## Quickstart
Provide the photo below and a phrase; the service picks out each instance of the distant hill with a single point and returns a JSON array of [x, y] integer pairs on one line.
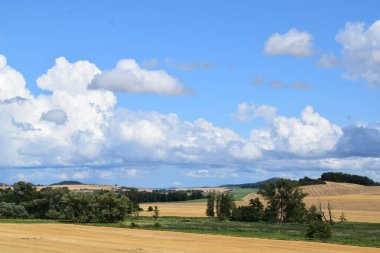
[[253, 185], [69, 182]]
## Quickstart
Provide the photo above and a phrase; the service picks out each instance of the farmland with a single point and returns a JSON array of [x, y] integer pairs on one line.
[[44, 238], [359, 203]]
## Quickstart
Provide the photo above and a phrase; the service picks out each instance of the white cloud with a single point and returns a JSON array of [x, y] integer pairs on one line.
[[76, 126], [306, 136], [12, 83], [328, 61], [248, 111], [361, 51], [71, 77], [128, 76], [309, 135], [294, 43]]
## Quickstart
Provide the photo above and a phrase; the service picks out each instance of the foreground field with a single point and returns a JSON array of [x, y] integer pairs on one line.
[[44, 238]]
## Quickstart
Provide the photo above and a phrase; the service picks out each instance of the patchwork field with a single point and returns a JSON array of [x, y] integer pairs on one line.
[[359, 203], [54, 238]]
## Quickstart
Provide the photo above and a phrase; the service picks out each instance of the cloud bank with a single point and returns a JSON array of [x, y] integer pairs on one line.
[[78, 125]]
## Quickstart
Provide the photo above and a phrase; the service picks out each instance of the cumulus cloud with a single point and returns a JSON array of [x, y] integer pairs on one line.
[[12, 83], [361, 51], [294, 43], [309, 135], [77, 126], [128, 76], [70, 77]]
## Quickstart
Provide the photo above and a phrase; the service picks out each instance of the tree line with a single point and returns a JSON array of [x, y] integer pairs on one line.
[[340, 177], [137, 196], [23, 200]]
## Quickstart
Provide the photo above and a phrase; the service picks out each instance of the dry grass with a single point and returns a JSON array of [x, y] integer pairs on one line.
[[54, 238]]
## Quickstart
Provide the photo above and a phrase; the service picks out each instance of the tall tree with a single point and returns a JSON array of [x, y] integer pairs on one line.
[[225, 204], [285, 201], [210, 211]]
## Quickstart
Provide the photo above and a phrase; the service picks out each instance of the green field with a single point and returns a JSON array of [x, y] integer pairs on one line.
[[240, 193]]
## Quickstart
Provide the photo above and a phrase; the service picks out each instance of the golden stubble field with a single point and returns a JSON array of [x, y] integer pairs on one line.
[[54, 238], [359, 203]]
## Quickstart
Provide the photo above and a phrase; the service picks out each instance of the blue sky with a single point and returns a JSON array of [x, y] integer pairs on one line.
[[168, 93]]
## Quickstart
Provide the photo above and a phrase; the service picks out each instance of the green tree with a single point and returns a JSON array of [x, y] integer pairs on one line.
[[80, 207], [253, 212], [111, 207], [12, 210], [226, 205], [210, 211], [285, 201], [23, 192]]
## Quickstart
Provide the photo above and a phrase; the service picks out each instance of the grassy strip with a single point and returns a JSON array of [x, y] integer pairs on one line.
[[349, 233]]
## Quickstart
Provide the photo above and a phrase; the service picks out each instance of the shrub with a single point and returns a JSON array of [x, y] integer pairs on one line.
[[53, 214], [319, 230], [11, 210], [111, 207], [150, 209]]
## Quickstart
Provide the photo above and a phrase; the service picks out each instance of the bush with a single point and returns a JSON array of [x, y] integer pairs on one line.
[[150, 209], [319, 230], [11, 210], [253, 212], [53, 214], [112, 208]]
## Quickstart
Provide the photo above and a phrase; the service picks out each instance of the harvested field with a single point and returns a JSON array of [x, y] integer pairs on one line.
[[359, 203], [182, 209], [51, 238]]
